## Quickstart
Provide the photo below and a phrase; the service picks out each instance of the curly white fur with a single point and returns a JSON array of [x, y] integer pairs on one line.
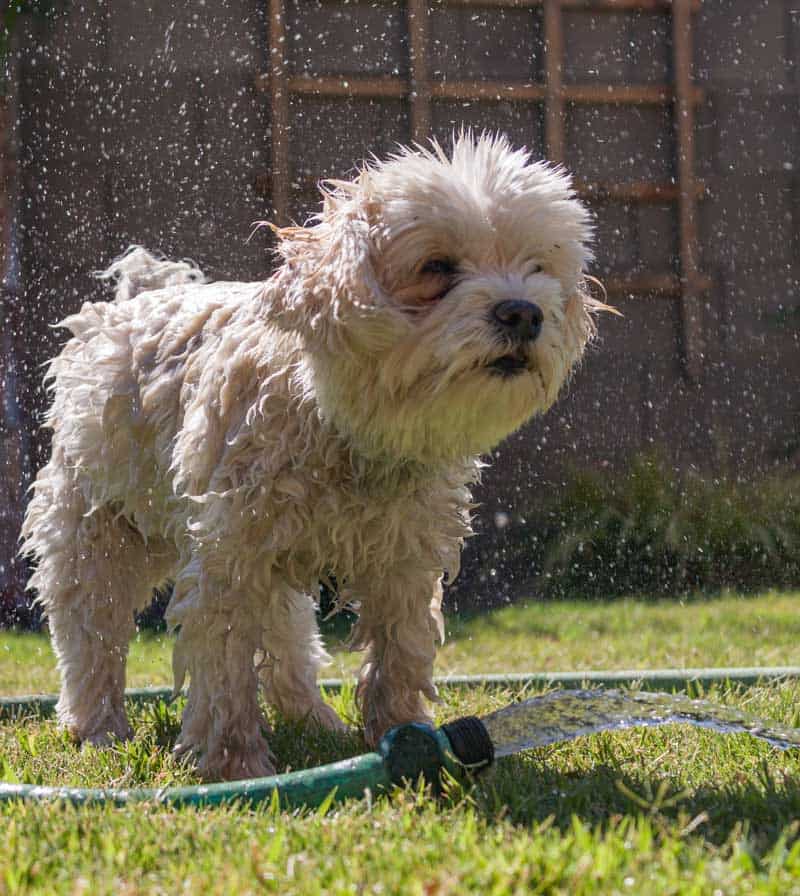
[[247, 440]]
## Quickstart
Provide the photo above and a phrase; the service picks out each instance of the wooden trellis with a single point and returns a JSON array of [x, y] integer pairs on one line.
[[421, 91]]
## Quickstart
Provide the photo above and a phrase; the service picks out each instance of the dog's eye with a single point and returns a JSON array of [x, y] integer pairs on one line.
[[428, 283], [438, 267], [535, 269]]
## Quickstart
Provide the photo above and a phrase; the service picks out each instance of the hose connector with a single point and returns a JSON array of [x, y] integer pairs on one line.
[[470, 742], [415, 749]]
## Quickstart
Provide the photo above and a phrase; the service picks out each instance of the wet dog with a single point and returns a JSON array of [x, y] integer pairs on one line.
[[244, 440]]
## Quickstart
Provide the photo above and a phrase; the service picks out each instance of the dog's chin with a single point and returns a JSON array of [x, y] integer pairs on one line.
[[476, 412], [467, 417], [445, 412]]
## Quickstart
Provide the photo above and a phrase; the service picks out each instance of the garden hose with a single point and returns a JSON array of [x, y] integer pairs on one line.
[[646, 679], [405, 754]]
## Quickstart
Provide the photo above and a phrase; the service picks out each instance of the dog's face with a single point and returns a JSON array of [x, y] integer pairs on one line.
[[439, 298]]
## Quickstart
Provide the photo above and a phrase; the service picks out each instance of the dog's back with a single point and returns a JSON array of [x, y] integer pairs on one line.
[[99, 382], [143, 392], [94, 562]]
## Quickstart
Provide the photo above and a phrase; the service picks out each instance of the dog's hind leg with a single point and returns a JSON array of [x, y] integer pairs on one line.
[[93, 571], [219, 632], [294, 654], [226, 623]]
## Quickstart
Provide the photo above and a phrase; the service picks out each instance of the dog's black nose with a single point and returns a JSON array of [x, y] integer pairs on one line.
[[518, 319]]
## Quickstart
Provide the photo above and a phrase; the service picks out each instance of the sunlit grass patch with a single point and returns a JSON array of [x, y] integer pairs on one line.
[[729, 630], [562, 635], [28, 666]]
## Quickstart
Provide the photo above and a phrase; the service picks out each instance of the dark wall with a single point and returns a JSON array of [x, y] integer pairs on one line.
[[141, 123], [137, 128]]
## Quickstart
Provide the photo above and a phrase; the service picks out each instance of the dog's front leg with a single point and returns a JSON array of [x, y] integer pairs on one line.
[[399, 623], [219, 631]]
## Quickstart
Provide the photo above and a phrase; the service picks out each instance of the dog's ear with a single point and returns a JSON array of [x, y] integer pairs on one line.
[[328, 273]]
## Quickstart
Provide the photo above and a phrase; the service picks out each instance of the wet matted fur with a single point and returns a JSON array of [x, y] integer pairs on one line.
[[245, 440]]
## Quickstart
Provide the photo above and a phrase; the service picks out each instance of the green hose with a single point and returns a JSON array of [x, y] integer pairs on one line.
[[403, 755], [309, 788], [647, 679]]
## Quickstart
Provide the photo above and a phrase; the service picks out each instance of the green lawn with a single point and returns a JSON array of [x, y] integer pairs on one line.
[[538, 636], [645, 812]]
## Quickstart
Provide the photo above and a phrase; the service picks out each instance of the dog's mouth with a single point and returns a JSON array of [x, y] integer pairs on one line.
[[509, 365]]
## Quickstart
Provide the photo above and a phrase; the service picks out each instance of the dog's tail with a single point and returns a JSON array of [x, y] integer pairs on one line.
[[137, 270]]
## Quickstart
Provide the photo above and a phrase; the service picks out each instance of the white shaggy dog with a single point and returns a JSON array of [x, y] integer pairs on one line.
[[247, 440]]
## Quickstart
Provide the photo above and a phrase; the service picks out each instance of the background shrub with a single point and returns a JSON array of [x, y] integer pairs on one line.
[[653, 531]]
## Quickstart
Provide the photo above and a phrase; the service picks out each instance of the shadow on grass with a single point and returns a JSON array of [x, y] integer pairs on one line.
[[295, 744], [526, 793], [761, 800]]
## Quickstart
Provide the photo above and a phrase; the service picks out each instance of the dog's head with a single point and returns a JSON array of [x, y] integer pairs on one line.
[[440, 299]]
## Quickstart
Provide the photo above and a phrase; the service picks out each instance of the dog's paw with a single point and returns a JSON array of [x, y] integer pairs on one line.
[[236, 767], [227, 764], [107, 738], [383, 708], [100, 734], [325, 717]]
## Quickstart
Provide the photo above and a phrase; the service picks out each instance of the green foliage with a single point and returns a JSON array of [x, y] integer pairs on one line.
[[651, 531]]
